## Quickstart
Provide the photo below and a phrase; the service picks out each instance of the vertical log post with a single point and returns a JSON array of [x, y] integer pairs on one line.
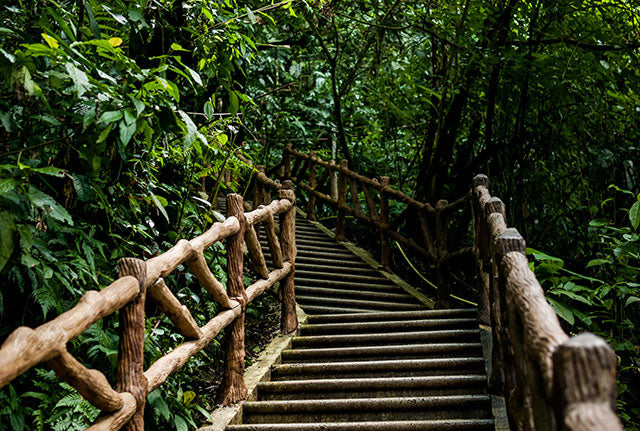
[[288, 240], [129, 371], [385, 248], [443, 297], [233, 387], [342, 202], [258, 191], [311, 204], [504, 366], [286, 162], [333, 180], [585, 378], [480, 244]]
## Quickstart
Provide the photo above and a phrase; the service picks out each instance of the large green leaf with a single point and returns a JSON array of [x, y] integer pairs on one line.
[[634, 214], [79, 78], [7, 230], [49, 205]]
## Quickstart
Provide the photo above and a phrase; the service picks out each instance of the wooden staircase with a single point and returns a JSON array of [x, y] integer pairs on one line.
[[371, 356]]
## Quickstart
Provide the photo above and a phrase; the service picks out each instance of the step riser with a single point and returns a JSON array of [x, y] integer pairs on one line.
[[373, 305], [413, 315], [386, 338], [418, 351], [448, 425], [347, 293], [321, 395], [453, 413], [278, 377], [393, 326], [346, 284]]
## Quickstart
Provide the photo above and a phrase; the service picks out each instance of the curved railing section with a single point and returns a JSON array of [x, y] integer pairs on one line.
[[124, 405]]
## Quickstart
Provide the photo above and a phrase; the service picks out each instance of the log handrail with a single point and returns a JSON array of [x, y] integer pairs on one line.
[[430, 246], [123, 405], [550, 381]]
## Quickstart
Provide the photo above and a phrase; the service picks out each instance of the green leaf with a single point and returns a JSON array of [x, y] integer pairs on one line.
[[169, 87], [104, 134], [129, 118], [188, 396], [251, 16], [139, 105], [126, 131], [195, 76], [181, 424], [177, 47], [50, 170], [562, 311], [192, 131], [160, 207], [598, 262], [156, 400], [51, 41], [7, 229], [629, 301], [49, 205], [83, 187], [110, 116], [209, 111], [79, 78], [7, 184], [634, 215], [234, 103]]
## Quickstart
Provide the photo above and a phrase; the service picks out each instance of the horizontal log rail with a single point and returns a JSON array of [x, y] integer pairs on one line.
[[349, 193], [549, 381], [123, 405]]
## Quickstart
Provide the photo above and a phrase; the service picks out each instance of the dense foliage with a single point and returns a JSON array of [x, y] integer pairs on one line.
[[117, 116]]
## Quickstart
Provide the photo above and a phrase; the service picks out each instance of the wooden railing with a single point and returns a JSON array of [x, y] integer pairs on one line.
[[124, 405], [340, 188], [549, 381]]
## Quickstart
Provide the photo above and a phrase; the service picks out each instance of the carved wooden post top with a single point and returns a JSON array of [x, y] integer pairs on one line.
[[480, 180], [441, 205], [385, 182], [313, 155], [495, 205], [344, 164], [508, 241], [288, 147]]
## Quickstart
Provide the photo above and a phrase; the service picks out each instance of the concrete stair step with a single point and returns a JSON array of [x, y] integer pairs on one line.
[[385, 338], [427, 425], [468, 313], [329, 247], [368, 409], [389, 368], [409, 351], [311, 309], [349, 293], [325, 275], [307, 266], [336, 264], [373, 387], [380, 283], [360, 303], [339, 256], [386, 325]]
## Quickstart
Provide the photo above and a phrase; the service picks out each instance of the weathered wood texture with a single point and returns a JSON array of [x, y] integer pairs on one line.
[[550, 382], [233, 388], [130, 369], [289, 321], [124, 406]]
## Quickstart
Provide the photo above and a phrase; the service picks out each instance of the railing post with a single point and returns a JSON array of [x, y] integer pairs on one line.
[[585, 378], [385, 248], [443, 299], [289, 321], [333, 181], [311, 204], [129, 371], [342, 202], [233, 387], [258, 188], [286, 162], [480, 244]]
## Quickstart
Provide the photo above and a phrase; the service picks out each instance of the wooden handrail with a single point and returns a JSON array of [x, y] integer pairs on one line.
[[550, 382], [432, 219], [26, 347]]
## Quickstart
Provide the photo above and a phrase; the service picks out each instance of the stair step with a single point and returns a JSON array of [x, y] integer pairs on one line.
[[386, 325], [332, 247], [336, 265], [373, 387], [422, 351], [324, 275], [381, 283], [396, 315], [428, 425], [305, 266], [385, 338], [374, 305], [340, 257], [359, 409], [345, 293], [312, 309], [434, 366]]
